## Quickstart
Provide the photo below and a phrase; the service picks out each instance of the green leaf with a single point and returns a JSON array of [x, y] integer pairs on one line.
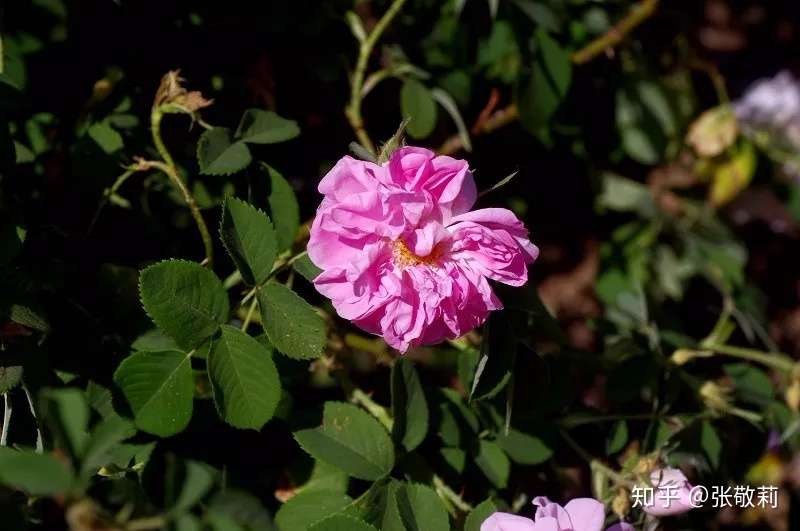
[[265, 127], [499, 54], [458, 84], [106, 138], [159, 386], [710, 444], [37, 474], [218, 154], [494, 463], [458, 423], [341, 522], [198, 480], [416, 507], [68, 413], [542, 14], [352, 440], [409, 407], [245, 508], [455, 458], [245, 381], [326, 477], [249, 238], [626, 195], [752, 384], [446, 100], [418, 107], [188, 522], [10, 377], [222, 522], [104, 442], [100, 399], [154, 340], [479, 514], [371, 506], [305, 509], [184, 299], [291, 324], [547, 85], [645, 120], [306, 268], [356, 26], [527, 447], [283, 207], [617, 438], [30, 316]]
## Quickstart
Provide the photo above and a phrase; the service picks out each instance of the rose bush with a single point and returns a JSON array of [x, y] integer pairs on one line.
[[292, 287]]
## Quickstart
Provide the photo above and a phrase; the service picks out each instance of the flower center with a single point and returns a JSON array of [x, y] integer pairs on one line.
[[404, 257]]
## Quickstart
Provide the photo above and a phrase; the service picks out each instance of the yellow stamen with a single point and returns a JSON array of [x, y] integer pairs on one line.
[[403, 256]]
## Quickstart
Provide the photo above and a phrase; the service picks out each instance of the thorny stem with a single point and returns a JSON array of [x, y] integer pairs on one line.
[[288, 263], [249, 316], [353, 109], [6, 419], [497, 120], [638, 14], [252, 293], [357, 396], [169, 168], [449, 495], [775, 360]]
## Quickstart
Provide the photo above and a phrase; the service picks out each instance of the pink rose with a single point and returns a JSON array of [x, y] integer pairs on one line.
[[580, 514], [672, 493], [403, 257], [507, 522]]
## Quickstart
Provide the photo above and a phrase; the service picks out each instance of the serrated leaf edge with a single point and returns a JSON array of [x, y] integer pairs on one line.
[[141, 299], [222, 174], [222, 217]]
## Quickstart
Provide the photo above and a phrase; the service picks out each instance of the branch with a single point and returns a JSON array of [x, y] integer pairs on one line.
[[169, 168], [353, 109], [499, 119], [638, 14]]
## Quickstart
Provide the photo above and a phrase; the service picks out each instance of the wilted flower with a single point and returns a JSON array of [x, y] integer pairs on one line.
[[580, 514], [771, 107], [713, 132], [621, 504], [715, 396], [171, 92], [402, 255], [673, 493]]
